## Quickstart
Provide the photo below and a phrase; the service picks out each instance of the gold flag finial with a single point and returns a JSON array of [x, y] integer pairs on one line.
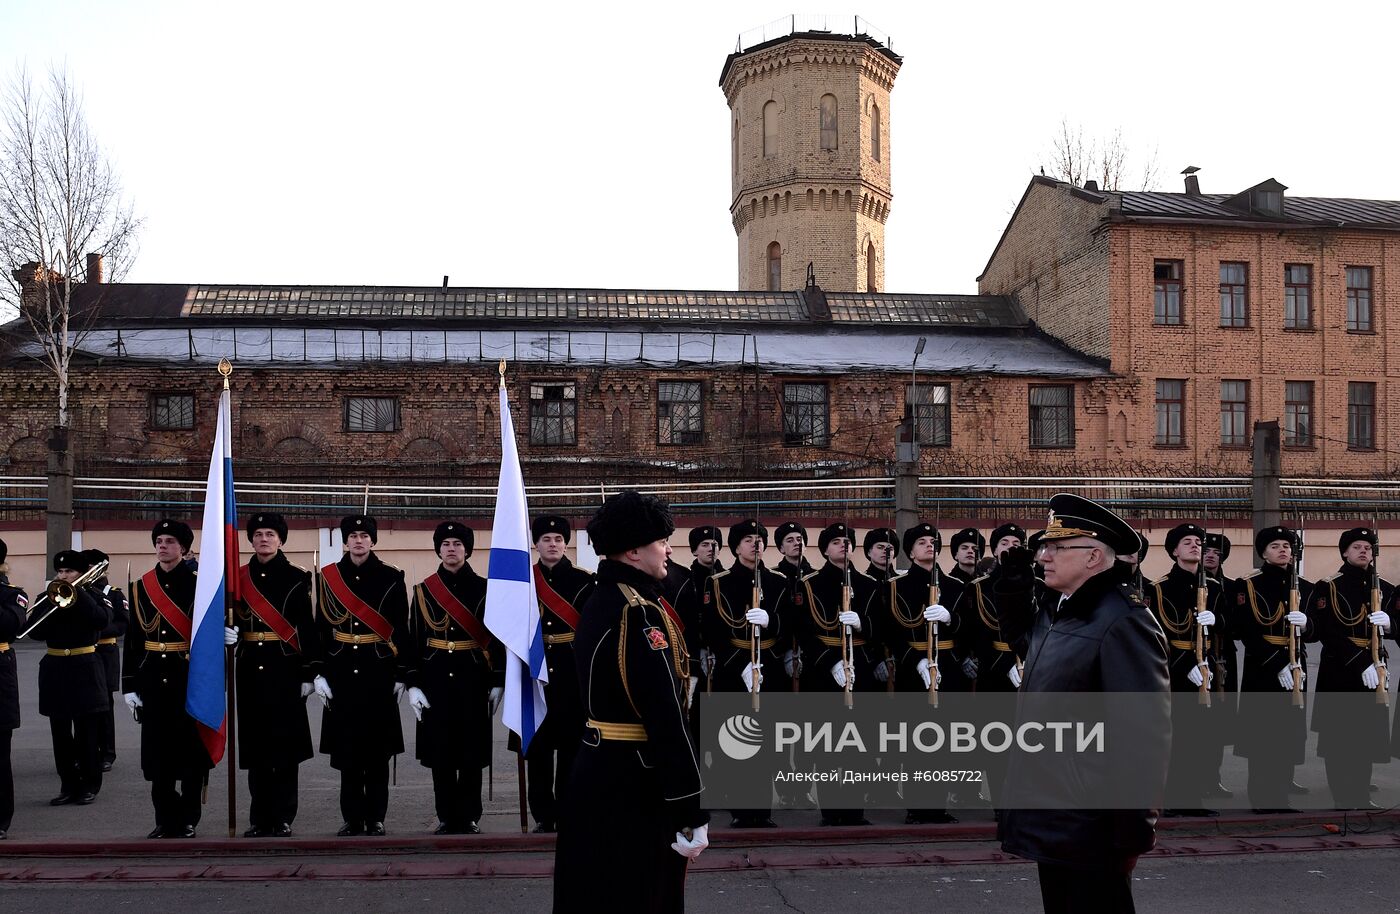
[[225, 369]]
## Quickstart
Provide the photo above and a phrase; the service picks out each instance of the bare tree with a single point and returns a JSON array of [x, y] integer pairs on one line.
[[1107, 160], [60, 203]]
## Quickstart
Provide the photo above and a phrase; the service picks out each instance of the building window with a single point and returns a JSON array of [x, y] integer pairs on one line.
[[553, 414], [872, 276], [1297, 413], [679, 418], [172, 412], [1359, 299], [828, 122], [1171, 404], [1297, 296], [372, 414], [804, 415], [1234, 413], [736, 152], [933, 419], [1361, 416], [1234, 295], [770, 129], [1052, 415], [775, 267], [875, 132], [1166, 300]]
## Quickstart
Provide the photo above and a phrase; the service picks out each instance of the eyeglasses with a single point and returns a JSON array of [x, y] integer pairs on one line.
[[1049, 549]]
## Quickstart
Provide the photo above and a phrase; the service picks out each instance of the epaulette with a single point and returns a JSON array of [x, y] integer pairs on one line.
[[719, 574], [1330, 577], [1162, 579], [1245, 577], [808, 577], [977, 580]]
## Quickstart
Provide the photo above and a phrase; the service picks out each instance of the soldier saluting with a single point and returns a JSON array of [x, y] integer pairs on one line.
[[276, 637], [360, 674]]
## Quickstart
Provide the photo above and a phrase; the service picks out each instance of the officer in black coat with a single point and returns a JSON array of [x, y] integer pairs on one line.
[[633, 819], [1093, 638], [1353, 729], [14, 610], [458, 680], [1174, 599], [155, 674], [109, 652], [1225, 650], [73, 684], [360, 673], [1272, 729], [277, 638]]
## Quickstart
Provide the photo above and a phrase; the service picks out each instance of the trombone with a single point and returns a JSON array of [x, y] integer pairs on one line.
[[61, 594]]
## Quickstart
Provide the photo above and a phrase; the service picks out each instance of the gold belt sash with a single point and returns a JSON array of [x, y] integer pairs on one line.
[[835, 640], [4, 646], [941, 645], [1360, 642], [91, 649], [356, 639], [1002, 646], [1279, 640], [626, 733], [1183, 645], [260, 636], [167, 646], [766, 644], [106, 640], [442, 645], [559, 639]]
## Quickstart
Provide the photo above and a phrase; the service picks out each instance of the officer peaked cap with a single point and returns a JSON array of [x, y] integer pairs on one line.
[[1074, 516]]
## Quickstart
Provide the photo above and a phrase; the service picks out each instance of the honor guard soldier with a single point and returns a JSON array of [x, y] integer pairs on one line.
[[1227, 668], [791, 539], [734, 625], [1272, 729], [967, 546], [455, 690], [1353, 732], [155, 673], [561, 590], [360, 673], [109, 652], [880, 546], [276, 634], [1175, 598], [633, 819], [695, 599], [73, 683], [14, 610]]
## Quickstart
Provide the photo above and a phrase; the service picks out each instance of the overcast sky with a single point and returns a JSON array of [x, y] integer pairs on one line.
[[530, 144]]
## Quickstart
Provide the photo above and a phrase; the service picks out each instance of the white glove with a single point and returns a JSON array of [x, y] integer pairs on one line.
[[692, 847], [230, 635], [882, 671], [1285, 675], [398, 691], [707, 661], [924, 667], [1195, 677], [493, 700], [1205, 617], [747, 676], [790, 663], [323, 690], [937, 613], [133, 701], [1370, 677], [1379, 619], [1298, 619], [418, 702], [850, 617], [757, 617], [838, 672], [690, 685], [306, 690], [1014, 674]]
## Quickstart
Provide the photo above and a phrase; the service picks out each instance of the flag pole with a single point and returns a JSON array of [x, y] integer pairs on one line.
[[520, 756], [231, 746]]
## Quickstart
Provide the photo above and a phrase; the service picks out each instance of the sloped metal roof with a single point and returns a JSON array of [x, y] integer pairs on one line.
[[1308, 211]]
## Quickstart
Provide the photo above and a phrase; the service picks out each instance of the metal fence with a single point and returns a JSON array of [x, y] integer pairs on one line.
[[799, 23]]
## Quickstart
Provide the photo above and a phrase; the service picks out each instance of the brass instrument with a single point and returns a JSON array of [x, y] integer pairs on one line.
[[62, 594]]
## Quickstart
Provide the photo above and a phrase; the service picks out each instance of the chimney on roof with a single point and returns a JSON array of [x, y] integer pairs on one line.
[[1193, 184], [94, 268], [1092, 185]]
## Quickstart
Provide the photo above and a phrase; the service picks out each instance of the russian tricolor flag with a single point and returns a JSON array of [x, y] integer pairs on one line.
[[512, 613], [206, 700]]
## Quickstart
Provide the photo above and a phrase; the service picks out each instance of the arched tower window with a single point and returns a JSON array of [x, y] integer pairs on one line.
[[775, 267], [872, 282], [875, 132], [828, 122], [770, 129], [736, 151]]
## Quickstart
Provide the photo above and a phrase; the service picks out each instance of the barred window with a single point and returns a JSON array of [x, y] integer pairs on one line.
[[1234, 413], [932, 408], [1171, 404], [553, 414], [172, 412], [372, 414], [1297, 413], [1361, 416], [1359, 299], [679, 415], [1297, 296], [1166, 298], [1234, 295], [1051, 415], [805, 422]]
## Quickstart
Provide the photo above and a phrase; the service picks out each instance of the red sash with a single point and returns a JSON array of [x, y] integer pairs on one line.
[[555, 603], [182, 623], [675, 617], [266, 611], [357, 607], [457, 609]]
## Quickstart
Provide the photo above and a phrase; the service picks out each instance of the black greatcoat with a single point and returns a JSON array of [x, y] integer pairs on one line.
[[1269, 726], [731, 594], [272, 726], [1358, 729], [563, 725], [170, 743], [694, 600], [74, 685], [361, 724], [905, 630], [819, 633], [995, 638], [456, 727], [111, 653], [627, 800], [14, 609]]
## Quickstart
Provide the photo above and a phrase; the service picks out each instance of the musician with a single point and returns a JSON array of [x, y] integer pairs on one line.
[[1352, 731], [459, 681], [109, 652], [14, 611], [1272, 729], [155, 673], [359, 673], [1174, 599], [561, 589], [1213, 556], [968, 546], [633, 819], [276, 637]]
